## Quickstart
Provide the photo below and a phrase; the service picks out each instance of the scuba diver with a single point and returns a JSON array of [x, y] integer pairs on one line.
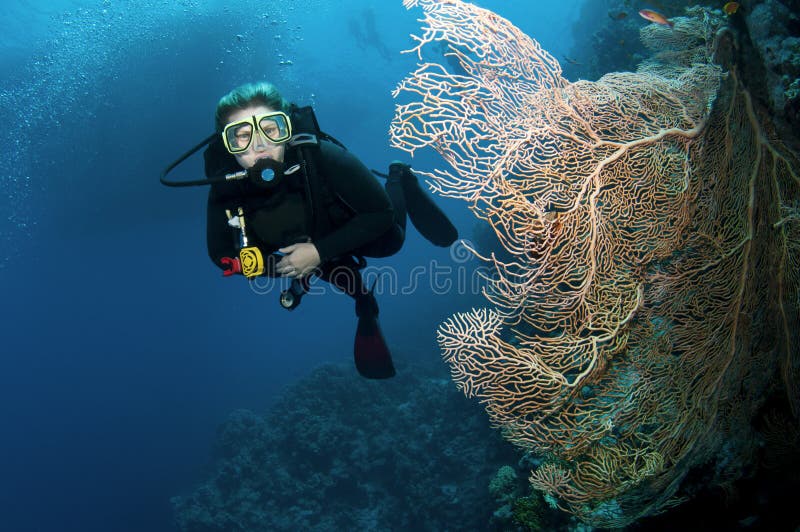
[[288, 200]]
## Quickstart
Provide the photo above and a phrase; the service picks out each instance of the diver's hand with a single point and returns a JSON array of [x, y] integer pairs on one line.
[[299, 260]]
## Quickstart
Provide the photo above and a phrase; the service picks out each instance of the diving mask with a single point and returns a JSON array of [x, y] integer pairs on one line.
[[275, 126]]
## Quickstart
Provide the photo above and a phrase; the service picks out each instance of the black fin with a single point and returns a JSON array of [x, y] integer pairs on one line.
[[372, 356], [427, 217]]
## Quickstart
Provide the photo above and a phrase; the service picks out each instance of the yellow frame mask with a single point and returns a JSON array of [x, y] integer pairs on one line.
[[275, 126]]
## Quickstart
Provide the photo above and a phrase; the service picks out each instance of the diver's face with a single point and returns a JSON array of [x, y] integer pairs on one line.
[[260, 147]]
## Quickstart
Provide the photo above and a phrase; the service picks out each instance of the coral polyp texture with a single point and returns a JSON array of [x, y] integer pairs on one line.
[[653, 218]]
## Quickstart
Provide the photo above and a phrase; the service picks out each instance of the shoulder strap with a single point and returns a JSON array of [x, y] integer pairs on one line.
[[306, 137], [305, 140]]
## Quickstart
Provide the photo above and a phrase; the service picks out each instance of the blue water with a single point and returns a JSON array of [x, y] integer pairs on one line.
[[123, 347]]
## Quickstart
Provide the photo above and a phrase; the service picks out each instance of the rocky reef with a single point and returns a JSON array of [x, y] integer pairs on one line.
[[338, 452], [607, 39]]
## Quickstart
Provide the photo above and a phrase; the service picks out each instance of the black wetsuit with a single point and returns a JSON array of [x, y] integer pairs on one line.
[[343, 210], [361, 219]]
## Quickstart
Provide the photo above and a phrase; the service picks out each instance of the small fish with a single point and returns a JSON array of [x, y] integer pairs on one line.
[[730, 8], [571, 61], [617, 15], [655, 16]]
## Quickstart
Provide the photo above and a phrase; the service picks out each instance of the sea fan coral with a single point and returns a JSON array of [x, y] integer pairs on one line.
[[654, 225]]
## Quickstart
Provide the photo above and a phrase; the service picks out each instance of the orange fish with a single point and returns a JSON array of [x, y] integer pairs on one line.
[[730, 8], [655, 16]]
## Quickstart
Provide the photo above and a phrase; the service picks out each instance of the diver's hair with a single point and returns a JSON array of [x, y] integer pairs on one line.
[[259, 93]]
